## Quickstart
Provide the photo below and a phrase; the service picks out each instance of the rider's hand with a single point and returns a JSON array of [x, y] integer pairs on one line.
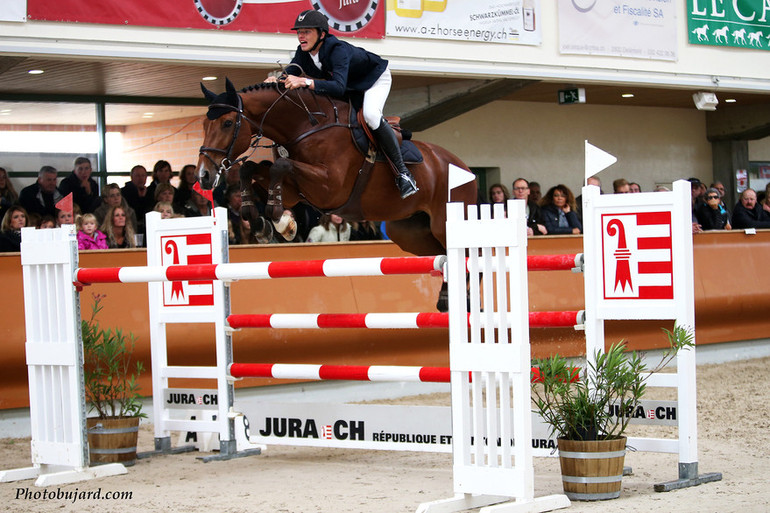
[[294, 82], [271, 79]]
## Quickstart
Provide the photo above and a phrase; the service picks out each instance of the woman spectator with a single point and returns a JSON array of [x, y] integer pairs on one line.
[[498, 193], [365, 230], [164, 192], [766, 200], [197, 206], [8, 194], [161, 173], [187, 180], [67, 216], [118, 230], [711, 214], [558, 211], [14, 220], [331, 228], [111, 197]]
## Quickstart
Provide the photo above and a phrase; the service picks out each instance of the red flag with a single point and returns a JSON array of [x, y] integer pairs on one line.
[[209, 195], [65, 203]]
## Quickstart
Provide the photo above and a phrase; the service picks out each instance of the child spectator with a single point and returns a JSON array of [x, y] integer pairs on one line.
[[165, 208], [88, 236], [46, 222]]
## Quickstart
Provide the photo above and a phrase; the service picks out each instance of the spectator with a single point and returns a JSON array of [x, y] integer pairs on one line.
[[621, 186], [196, 206], [14, 220], [591, 180], [238, 228], [88, 236], [662, 188], [712, 215], [748, 213], [331, 228], [365, 230], [65, 216], [187, 180], [84, 189], [46, 222], [307, 217], [137, 195], [119, 232], [8, 194], [696, 201], [166, 210], [721, 188], [161, 173], [521, 191], [558, 211], [498, 193], [111, 197], [42, 196], [766, 200], [534, 192], [634, 187], [164, 192]]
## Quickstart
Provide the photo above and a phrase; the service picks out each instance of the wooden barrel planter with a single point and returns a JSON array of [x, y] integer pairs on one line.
[[113, 440], [592, 470]]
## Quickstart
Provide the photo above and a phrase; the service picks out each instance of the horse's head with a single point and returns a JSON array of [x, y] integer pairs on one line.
[[227, 133]]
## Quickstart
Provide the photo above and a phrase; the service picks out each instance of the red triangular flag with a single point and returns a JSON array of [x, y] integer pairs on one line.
[[65, 203], [209, 195]]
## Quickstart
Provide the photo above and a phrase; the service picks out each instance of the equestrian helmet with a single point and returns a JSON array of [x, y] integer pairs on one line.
[[311, 19]]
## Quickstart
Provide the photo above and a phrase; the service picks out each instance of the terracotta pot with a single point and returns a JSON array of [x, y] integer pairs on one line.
[[113, 440], [592, 470]]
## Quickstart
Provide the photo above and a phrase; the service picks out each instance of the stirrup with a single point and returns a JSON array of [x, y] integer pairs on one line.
[[406, 185]]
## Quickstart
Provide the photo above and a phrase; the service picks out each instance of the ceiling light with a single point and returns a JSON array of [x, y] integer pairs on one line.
[[36, 72], [730, 100], [209, 78], [627, 95], [148, 114]]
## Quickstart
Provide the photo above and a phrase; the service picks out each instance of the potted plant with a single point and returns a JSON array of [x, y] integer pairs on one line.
[[579, 408], [111, 389]]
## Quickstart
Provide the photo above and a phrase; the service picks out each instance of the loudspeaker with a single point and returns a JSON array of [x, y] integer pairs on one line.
[[705, 101]]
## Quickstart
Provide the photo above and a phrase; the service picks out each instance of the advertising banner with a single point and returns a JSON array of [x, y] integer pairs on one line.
[[740, 23], [365, 18], [513, 21], [642, 29]]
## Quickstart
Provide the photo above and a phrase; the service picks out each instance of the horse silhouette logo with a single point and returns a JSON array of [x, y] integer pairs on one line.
[[755, 39], [739, 36], [702, 32], [721, 34]]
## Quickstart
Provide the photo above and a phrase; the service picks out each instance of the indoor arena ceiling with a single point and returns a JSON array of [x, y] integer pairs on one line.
[[120, 83]]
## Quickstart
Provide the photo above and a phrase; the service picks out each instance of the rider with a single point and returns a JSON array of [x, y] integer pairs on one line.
[[337, 68]]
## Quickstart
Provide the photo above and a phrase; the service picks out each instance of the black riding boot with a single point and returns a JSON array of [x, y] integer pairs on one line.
[[388, 143]]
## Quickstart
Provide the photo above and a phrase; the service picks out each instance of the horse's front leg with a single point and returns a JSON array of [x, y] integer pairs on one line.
[[278, 170]]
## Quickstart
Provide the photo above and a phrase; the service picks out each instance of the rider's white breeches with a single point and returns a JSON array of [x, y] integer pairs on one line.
[[374, 99]]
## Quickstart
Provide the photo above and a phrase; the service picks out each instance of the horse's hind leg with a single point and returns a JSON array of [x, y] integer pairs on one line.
[[414, 235]]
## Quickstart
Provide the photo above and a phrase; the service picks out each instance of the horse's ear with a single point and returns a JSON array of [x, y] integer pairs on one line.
[[208, 94], [229, 87]]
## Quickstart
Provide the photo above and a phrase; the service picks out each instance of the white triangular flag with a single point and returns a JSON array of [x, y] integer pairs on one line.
[[597, 160], [459, 176]]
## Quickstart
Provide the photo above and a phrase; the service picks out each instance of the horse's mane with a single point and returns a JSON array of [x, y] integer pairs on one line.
[[261, 85]]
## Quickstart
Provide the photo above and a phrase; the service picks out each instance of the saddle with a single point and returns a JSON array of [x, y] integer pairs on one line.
[[364, 140]]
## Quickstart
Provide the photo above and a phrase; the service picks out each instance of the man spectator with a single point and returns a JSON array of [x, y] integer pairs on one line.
[[591, 180], [42, 196], [84, 189], [634, 187], [521, 190], [621, 186], [535, 194], [137, 195], [748, 213], [695, 191]]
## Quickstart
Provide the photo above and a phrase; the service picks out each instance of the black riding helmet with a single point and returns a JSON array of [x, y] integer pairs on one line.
[[312, 19]]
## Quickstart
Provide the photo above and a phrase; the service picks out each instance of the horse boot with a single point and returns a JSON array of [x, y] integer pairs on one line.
[[388, 143]]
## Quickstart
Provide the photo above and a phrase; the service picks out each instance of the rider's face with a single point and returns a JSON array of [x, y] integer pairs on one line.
[[307, 39]]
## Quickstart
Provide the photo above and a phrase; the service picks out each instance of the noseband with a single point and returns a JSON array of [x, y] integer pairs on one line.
[[227, 163]]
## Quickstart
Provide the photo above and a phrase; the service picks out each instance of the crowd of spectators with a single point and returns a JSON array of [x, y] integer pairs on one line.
[[114, 217], [559, 212]]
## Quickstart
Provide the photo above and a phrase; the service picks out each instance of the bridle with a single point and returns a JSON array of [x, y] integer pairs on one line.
[[227, 163]]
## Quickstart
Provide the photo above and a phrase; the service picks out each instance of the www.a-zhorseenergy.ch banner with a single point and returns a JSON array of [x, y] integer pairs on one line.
[[489, 21], [737, 23]]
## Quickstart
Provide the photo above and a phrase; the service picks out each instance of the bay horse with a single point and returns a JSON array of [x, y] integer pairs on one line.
[[319, 163]]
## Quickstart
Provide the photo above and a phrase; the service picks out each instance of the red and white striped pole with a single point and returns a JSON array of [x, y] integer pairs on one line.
[[566, 319]]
